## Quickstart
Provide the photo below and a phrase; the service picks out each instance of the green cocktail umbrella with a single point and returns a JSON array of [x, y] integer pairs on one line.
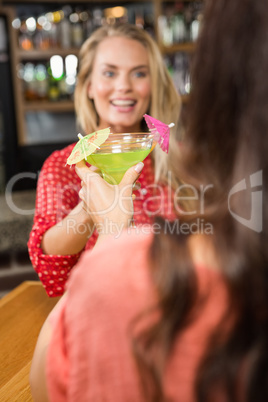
[[87, 145]]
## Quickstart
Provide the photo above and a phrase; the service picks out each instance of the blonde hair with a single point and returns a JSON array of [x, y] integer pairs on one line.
[[165, 101]]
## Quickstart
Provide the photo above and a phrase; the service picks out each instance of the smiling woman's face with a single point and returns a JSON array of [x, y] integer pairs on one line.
[[120, 84]]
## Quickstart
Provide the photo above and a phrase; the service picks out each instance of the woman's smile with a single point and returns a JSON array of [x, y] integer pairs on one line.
[[123, 105]]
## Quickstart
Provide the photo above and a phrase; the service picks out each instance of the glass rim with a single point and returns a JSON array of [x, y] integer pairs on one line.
[[135, 134], [128, 140]]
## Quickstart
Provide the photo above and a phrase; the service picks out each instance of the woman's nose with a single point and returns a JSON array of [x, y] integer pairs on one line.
[[124, 82]]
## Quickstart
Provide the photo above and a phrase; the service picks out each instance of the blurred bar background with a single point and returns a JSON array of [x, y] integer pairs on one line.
[[39, 46]]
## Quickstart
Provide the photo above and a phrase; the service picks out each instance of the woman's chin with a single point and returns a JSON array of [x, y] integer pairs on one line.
[[124, 129]]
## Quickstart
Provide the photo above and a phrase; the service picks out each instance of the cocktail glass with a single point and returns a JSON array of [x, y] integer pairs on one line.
[[119, 152]]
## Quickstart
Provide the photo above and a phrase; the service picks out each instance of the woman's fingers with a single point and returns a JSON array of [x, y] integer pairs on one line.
[[84, 172], [127, 184], [104, 201], [131, 175], [81, 169]]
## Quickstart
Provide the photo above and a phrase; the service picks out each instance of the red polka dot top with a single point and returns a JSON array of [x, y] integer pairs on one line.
[[57, 195]]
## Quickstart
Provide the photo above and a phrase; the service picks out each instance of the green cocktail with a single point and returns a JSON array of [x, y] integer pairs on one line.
[[119, 152]]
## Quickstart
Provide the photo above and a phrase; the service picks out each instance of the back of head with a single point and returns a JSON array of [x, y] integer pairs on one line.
[[230, 90], [225, 147], [228, 120]]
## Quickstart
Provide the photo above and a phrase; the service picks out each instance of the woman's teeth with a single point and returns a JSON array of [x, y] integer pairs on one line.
[[121, 102]]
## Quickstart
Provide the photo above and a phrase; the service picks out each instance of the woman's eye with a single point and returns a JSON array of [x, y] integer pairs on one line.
[[140, 74], [108, 73]]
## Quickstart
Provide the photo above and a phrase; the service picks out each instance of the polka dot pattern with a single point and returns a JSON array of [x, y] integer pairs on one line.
[[57, 195]]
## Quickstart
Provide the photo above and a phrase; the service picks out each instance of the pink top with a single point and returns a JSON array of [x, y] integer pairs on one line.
[[89, 356], [57, 194]]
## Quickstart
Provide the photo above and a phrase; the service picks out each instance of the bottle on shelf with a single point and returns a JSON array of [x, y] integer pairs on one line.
[[178, 25], [97, 18], [87, 23], [25, 39], [181, 74], [30, 92], [41, 78], [149, 22], [41, 39], [194, 30], [55, 72], [53, 35], [76, 29], [71, 63], [65, 33], [165, 30], [196, 23], [139, 17]]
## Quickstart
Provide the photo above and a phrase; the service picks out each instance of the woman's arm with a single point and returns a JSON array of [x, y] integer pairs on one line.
[[70, 235], [37, 373], [38, 381], [57, 198]]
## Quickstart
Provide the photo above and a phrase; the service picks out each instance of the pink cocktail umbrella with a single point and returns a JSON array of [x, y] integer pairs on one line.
[[160, 130]]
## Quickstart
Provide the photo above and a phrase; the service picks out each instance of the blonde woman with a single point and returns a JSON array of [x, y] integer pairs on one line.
[[121, 77]]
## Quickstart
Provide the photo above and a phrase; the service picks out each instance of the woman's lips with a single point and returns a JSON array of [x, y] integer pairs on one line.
[[123, 105]]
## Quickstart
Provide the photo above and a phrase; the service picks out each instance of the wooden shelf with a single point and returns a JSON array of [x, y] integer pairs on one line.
[[187, 47], [93, 2], [35, 56], [62, 106], [29, 55], [59, 106]]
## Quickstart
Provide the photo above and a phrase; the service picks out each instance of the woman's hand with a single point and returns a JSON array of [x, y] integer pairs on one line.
[[110, 206]]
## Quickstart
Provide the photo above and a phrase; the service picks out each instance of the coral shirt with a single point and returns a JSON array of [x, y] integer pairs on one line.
[[57, 194], [89, 356]]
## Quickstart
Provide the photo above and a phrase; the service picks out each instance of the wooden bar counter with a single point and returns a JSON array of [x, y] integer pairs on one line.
[[22, 314]]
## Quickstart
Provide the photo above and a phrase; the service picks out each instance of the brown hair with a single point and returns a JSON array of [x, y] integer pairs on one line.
[[165, 101], [226, 144]]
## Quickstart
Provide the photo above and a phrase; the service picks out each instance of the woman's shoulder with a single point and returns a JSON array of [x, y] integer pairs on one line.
[[60, 155], [118, 266], [129, 246], [55, 166]]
